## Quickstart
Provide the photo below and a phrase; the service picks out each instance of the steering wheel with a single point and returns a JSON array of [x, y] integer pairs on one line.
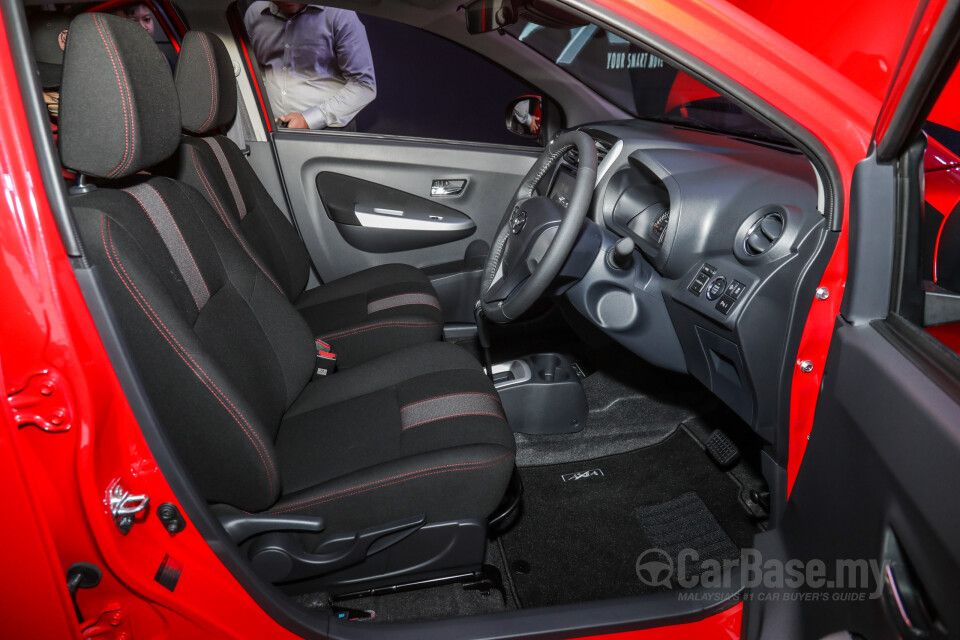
[[537, 234]]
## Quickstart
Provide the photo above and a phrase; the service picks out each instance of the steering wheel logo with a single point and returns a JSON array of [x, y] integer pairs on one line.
[[517, 220]]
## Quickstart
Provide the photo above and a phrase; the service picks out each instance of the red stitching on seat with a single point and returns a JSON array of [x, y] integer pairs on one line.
[[453, 415], [123, 97], [213, 91], [177, 227], [380, 325], [226, 219], [397, 479], [184, 355]]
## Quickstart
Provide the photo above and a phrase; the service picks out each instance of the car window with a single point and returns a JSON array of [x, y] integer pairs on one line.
[[430, 87], [425, 86], [635, 79]]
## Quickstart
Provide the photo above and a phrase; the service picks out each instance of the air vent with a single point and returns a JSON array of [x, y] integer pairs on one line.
[[572, 156], [763, 234]]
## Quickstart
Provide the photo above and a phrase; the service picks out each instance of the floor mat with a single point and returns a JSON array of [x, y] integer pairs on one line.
[[630, 408], [584, 525], [679, 524]]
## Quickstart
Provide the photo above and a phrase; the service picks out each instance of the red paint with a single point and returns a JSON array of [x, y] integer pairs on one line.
[[937, 157], [945, 110], [722, 626], [685, 90], [948, 334], [251, 71], [861, 40]]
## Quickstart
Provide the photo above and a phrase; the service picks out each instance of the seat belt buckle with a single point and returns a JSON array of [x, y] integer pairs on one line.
[[326, 362]]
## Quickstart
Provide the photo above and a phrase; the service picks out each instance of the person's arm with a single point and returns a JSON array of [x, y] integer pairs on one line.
[[356, 64]]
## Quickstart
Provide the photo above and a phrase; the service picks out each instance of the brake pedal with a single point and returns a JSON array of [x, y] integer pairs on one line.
[[722, 449]]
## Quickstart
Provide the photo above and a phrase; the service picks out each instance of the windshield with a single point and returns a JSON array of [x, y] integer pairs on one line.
[[638, 81]]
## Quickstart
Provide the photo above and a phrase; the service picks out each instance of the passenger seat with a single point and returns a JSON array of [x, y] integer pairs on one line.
[[362, 315], [391, 467]]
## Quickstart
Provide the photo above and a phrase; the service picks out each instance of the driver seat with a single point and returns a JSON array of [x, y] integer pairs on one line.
[[362, 315], [379, 475]]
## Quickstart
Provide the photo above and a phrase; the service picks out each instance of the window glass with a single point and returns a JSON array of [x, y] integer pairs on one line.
[[636, 80], [430, 87], [411, 83]]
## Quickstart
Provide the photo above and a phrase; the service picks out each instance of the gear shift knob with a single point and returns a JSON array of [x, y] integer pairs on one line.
[[621, 256]]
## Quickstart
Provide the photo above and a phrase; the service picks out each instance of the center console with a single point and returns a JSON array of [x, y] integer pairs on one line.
[[542, 394]]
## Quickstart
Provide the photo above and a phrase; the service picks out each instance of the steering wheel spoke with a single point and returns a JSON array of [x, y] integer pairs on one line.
[[536, 238]]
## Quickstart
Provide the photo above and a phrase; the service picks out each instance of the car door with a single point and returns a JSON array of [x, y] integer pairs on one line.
[[868, 544], [426, 179]]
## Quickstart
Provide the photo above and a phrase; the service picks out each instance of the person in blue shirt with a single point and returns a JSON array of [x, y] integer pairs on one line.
[[318, 69]]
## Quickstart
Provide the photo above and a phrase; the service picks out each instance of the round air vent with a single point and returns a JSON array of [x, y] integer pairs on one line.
[[763, 234]]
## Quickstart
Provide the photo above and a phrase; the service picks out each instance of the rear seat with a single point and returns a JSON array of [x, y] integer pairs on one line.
[[362, 315]]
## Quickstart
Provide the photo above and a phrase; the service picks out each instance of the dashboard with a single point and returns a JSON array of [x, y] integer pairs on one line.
[[725, 231]]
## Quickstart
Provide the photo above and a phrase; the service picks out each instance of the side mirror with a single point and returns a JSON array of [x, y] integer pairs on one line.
[[525, 117], [489, 15]]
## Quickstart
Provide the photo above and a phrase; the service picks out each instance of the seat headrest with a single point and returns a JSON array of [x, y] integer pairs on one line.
[[48, 34], [119, 112], [204, 79]]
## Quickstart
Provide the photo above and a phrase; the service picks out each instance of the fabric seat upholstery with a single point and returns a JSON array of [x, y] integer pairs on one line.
[[362, 315], [227, 360]]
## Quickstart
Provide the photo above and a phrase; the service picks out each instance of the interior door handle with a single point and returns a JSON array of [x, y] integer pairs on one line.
[[903, 594], [442, 188]]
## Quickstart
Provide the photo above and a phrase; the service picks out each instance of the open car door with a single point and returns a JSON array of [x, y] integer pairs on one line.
[[868, 544]]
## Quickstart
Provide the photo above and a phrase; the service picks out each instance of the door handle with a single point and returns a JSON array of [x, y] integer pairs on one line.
[[903, 593], [443, 188]]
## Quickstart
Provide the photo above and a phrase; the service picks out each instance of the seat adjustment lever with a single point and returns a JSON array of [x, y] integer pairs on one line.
[[279, 557], [242, 526]]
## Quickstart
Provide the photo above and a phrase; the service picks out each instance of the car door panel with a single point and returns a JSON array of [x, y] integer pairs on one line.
[[881, 464], [403, 172], [379, 219]]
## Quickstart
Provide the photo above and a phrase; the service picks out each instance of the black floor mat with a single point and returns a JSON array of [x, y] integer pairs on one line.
[[584, 525]]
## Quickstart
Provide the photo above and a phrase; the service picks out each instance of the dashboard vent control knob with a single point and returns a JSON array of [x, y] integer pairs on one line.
[[763, 234]]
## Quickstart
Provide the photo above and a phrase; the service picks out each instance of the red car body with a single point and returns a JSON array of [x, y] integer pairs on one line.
[[67, 428]]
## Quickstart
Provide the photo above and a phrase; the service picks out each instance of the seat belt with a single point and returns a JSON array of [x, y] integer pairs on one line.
[[326, 360]]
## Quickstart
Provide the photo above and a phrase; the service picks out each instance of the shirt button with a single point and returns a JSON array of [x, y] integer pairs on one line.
[[283, 92], [286, 46]]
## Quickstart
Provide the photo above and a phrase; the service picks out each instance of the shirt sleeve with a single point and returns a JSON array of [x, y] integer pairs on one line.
[[356, 64]]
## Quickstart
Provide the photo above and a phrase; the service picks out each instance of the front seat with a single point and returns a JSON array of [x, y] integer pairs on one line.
[[361, 315], [380, 474]]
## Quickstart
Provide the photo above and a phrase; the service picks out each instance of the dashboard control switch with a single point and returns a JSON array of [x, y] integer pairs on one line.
[[696, 287], [725, 304], [716, 288], [735, 290]]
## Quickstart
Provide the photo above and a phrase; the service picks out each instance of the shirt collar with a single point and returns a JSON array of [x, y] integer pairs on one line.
[[273, 10]]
